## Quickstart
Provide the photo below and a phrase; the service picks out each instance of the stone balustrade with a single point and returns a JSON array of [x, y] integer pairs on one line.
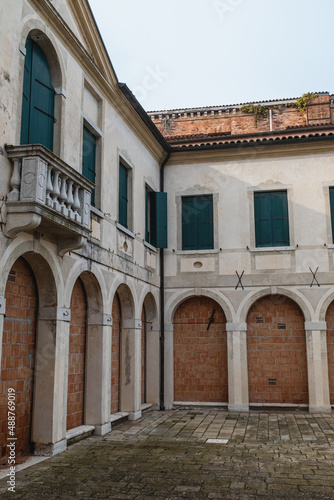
[[47, 188]]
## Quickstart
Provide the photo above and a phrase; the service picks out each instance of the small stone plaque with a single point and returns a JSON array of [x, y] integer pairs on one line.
[[217, 441]]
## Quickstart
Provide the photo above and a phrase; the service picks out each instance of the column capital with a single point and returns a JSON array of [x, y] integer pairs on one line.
[[315, 325], [236, 327], [133, 324], [99, 319], [55, 313]]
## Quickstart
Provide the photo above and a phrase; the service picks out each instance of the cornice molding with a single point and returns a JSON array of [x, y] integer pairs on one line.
[[251, 152], [106, 82]]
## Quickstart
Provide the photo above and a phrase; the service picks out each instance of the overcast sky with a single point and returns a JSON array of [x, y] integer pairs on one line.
[[193, 53]]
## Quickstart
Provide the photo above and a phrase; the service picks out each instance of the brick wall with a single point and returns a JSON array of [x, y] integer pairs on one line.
[[116, 327], [18, 353], [76, 360], [276, 355], [233, 121], [143, 356], [330, 349], [200, 355]]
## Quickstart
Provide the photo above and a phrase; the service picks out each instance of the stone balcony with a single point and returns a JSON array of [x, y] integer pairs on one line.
[[47, 194]]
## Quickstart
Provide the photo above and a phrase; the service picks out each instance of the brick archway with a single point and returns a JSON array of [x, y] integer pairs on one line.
[[276, 346], [200, 352], [18, 354], [76, 359], [330, 349]]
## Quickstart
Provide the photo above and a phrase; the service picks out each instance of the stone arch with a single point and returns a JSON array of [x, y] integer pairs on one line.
[[87, 363], [129, 291], [150, 350], [175, 301], [252, 297], [330, 347], [276, 351], [129, 353], [94, 284], [37, 30], [44, 355], [324, 304], [44, 265], [200, 351]]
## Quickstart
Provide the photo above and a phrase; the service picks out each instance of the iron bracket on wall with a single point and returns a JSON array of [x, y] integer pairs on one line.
[[314, 277], [240, 280]]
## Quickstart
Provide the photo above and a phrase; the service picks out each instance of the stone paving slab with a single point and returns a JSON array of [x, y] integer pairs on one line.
[[165, 455]]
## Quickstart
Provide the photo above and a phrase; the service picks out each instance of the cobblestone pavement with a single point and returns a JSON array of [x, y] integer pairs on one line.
[[165, 455]]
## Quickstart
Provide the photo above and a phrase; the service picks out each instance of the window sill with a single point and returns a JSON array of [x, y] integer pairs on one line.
[[150, 247], [97, 212], [330, 246], [196, 252], [272, 249], [125, 230]]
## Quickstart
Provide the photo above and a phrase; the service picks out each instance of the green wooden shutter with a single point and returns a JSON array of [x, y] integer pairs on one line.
[[38, 99], [25, 116], [271, 219], [280, 219], [189, 224], [331, 200], [262, 212], [204, 204], [89, 158], [123, 196], [147, 228], [158, 215], [197, 222]]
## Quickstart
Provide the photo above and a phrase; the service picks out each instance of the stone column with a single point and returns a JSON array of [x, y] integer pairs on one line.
[[237, 366], [153, 365], [169, 367], [317, 367], [130, 383], [51, 372], [98, 373]]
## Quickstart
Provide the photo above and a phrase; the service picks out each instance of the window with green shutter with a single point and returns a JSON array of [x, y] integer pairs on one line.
[[123, 196], [158, 219], [89, 158], [331, 200], [271, 219], [37, 119], [197, 222], [155, 218], [147, 214]]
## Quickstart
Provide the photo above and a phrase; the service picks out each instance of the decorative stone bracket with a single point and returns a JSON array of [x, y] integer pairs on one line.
[[47, 194]]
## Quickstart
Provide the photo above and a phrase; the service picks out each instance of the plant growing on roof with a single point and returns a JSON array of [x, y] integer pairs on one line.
[[258, 110], [302, 102]]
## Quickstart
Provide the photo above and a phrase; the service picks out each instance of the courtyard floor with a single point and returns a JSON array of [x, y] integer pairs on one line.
[[167, 455]]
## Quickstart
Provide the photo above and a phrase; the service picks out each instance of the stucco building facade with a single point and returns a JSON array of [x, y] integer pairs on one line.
[[104, 311]]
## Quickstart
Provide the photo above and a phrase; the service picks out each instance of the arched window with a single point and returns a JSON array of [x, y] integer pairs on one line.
[[38, 98]]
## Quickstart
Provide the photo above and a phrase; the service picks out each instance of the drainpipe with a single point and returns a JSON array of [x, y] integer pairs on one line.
[[162, 304]]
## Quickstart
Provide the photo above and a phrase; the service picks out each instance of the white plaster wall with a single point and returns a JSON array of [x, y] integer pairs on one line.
[[305, 177], [118, 138]]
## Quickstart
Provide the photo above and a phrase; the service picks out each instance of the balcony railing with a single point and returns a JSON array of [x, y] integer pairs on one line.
[[48, 194]]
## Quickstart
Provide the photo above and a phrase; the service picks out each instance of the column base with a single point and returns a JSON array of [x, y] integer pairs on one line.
[[101, 430], [49, 450], [134, 415], [320, 409], [169, 406], [241, 408]]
